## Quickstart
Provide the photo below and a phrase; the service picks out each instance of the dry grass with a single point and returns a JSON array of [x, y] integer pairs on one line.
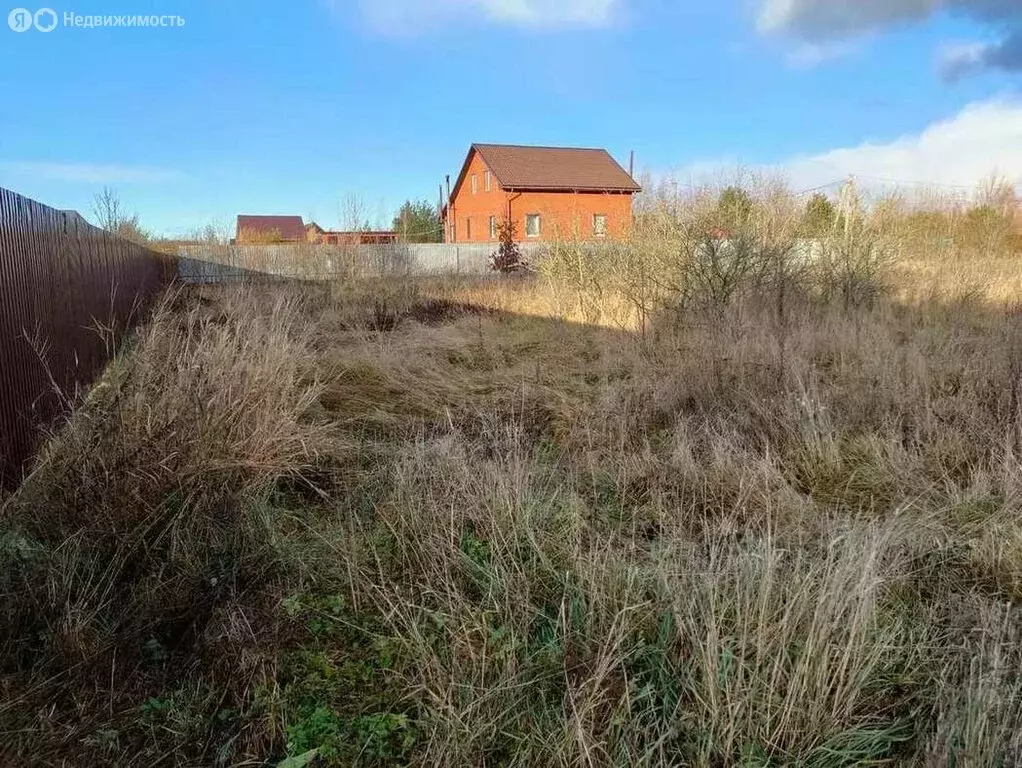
[[437, 523]]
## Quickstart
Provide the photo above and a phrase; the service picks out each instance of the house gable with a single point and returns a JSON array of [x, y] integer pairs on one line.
[[463, 175]]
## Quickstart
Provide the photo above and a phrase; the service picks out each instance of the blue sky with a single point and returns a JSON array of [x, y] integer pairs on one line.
[[269, 107]]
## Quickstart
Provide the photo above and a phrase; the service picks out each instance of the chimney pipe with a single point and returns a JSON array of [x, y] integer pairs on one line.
[[631, 165]]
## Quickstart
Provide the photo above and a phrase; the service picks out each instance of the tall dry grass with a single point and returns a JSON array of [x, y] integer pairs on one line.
[[693, 500], [140, 520]]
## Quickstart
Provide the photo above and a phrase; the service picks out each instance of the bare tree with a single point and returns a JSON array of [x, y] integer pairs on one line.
[[998, 193], [106, 208], [111, 216], [216, 231], [354, 214]]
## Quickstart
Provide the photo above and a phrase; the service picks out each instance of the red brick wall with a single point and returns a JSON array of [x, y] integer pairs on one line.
[[570, 215], [562, 214]]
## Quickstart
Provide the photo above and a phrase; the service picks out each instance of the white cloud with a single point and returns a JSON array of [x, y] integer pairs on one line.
[[819, 22], [90, 173], [983, 140], [401, 16]]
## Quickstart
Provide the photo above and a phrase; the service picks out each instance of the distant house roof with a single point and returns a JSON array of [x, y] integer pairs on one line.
[[552, 168], [287, 227]]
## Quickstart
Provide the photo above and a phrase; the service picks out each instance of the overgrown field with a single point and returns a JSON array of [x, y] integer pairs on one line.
[[439, 524]]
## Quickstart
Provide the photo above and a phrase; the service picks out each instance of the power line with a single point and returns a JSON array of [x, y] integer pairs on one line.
[[821, 187], [905, 182]]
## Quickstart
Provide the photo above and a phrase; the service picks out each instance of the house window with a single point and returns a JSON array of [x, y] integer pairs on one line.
[[475, 184], [486, 181], [493, 227], [600, 224], [533, 225], [468, 229]]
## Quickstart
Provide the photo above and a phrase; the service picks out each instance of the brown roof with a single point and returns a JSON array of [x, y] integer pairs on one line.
[[553, 168], [287, 227]]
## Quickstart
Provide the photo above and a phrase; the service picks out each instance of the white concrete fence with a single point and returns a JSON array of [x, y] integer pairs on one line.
[[234, 263], [230, 263]]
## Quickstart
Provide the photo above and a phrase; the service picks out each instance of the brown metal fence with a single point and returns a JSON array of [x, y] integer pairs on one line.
[[68, 292]]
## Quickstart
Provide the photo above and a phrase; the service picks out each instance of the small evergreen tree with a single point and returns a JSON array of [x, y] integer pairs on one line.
[[820, 216], [734, 206], [508, 256]]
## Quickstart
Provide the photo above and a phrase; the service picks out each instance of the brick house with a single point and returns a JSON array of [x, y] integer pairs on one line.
[[548, 192], [262, 230], [316, 234]]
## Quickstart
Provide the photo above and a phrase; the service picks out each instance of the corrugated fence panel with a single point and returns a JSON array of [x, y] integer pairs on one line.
[[68, 292]]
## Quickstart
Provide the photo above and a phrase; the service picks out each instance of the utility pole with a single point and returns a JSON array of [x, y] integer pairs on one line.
[[440, 212], [450, 212]]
